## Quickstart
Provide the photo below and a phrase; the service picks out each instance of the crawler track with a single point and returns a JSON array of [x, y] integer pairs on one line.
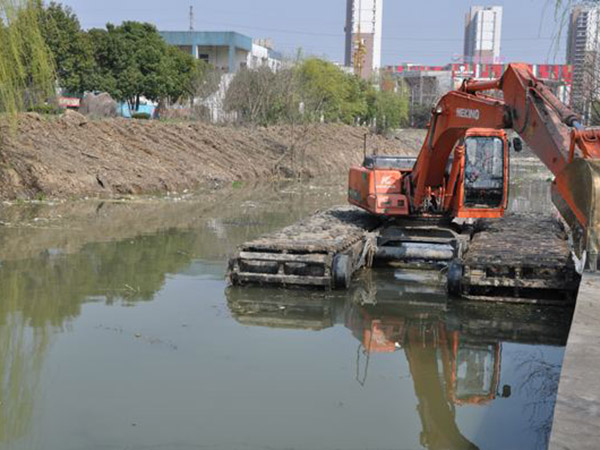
[[523, 257], [520, 258], [304, 254]]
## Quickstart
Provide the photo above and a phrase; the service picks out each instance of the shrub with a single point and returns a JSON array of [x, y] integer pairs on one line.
[[389, 109], [46, 109], [140, 116], [595, 114], [420, 115]]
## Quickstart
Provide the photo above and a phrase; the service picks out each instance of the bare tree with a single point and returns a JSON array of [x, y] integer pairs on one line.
[[304, 113], [256, 95], [589, 107], [262, 97], [204, 82], [539, 384]]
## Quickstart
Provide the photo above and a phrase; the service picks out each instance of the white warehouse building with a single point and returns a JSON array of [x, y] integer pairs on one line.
[[226, 50]]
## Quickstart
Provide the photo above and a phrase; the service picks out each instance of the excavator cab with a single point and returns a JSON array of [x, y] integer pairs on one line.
[[483, 187], [476, 185], [473, 373]]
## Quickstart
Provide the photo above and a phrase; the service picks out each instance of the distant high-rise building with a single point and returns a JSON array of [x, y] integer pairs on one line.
[[483, 32], [364, 26], [583, 52]]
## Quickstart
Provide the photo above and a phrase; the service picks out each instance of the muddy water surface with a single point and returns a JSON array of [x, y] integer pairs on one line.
[[117, 331]]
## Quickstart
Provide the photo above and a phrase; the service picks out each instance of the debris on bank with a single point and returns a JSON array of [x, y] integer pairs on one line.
[[75, 156]]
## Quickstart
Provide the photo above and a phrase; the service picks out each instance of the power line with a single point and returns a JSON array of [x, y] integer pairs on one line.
[[341, 35], [389, 38]]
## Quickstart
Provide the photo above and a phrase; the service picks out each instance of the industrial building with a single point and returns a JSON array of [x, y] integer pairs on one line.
[[228, 51], [364, 27], [483, 34], [426, 84], [583, 52]]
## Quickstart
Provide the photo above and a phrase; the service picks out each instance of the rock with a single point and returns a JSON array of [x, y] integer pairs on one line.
[[101, 105], [33, 116], [74, 118]]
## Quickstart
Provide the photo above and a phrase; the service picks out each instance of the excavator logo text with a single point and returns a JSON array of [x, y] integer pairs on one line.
[[466, 113], [387, 181]]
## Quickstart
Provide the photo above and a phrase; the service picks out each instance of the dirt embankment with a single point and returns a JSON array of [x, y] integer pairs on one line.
[[71, 156]]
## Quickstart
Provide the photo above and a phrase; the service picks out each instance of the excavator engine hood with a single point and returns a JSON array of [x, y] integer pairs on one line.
[[576, 194]]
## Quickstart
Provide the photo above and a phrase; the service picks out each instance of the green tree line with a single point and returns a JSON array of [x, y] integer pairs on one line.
[[131, 60], [314, 90], [43, 46]]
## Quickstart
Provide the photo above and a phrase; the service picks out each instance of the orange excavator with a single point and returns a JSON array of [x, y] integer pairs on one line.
[[462, 170]]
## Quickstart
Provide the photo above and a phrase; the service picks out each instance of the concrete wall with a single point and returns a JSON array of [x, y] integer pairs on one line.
[[214, 103], [217, 56], [262, 56]]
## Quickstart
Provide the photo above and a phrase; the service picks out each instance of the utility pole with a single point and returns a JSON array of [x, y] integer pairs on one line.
[[191, 18]]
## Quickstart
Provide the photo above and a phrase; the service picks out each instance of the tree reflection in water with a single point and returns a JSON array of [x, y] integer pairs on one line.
[[56, 258], [539, 382]]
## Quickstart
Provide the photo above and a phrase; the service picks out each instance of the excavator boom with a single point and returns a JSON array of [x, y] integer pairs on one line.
[[521, 102]]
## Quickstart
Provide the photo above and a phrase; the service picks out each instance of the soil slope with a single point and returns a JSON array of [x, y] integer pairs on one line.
[[72, 156]]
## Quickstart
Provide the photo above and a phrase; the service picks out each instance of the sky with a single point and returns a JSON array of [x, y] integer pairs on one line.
[[422, 31]]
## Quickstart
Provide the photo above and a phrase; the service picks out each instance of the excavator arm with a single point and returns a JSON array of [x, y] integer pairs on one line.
[[552, 131]]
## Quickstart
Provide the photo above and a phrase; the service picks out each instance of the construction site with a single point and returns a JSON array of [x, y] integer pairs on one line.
[[221, 241]]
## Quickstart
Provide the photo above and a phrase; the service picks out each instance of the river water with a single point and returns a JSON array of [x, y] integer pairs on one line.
[[117, 331]]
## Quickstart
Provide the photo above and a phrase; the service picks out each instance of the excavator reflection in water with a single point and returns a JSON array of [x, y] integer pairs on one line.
[[453, 350], [446, 368]]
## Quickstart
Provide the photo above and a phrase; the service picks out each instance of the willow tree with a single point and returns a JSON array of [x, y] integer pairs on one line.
[[26, 68]]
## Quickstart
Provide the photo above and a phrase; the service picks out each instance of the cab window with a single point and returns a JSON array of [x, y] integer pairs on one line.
[[484, 172]]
